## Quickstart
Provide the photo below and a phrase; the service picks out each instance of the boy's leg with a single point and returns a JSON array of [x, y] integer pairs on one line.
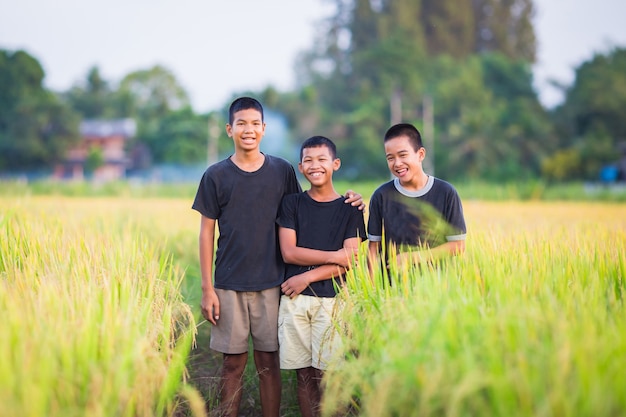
[[232, 383], [268, 369], [309, 391], [230, 336], [325, 339], [263, 308]]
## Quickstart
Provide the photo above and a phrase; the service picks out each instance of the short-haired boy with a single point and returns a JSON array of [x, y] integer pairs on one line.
[[319, 235], [420, 216]]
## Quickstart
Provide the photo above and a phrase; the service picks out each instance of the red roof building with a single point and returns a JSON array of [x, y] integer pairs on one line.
[[105, 138]]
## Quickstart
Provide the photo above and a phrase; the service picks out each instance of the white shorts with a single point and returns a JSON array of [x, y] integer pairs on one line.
[[307, 333]]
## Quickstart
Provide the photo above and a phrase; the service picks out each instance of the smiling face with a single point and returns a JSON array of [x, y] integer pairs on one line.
[[404, 161], [318, 165], [247, 129]]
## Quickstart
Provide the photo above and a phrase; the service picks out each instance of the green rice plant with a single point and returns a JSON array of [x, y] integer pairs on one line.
[[93, 319], [528, 322]]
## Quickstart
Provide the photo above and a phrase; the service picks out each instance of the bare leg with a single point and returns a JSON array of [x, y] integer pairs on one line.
[[268, 368], [232, 383], [309, 391]]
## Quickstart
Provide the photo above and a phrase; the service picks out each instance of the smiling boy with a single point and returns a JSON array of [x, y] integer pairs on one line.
[[319, 236], [420, 216]]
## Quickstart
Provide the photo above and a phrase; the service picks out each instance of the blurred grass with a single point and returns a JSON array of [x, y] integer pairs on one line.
[[470, 190], [529, 322], [94, 323], [535, 271]]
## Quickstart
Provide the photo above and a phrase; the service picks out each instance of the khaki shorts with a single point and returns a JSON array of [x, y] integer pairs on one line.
[[306, 333], [244, 314]]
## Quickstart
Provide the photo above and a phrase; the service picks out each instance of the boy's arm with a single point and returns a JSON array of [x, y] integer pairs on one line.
[[296, 255], [210, 304], [450, 248], [296, 284], [373, 256]]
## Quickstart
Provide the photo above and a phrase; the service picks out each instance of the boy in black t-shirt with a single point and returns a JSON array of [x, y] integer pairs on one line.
[[420, 216], [319, 235]]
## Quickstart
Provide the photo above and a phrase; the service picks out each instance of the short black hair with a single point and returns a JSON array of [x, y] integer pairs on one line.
[[244, 103], [315, 141], [408, 130]]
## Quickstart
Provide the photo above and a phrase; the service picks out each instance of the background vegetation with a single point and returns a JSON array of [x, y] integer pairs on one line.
[[461, 71]]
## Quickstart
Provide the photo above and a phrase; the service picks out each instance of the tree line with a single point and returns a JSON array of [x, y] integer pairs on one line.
[[461, 70]]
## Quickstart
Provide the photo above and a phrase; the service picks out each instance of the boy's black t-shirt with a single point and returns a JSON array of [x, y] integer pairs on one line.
[[321, 226], [246, 205], [430, 216]]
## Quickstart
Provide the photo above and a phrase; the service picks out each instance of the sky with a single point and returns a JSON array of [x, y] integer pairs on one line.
[[219, 48]]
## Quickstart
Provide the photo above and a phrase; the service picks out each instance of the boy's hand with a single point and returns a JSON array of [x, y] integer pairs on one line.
[[406, 259], [294, 285], [355, 199], [210, 306]]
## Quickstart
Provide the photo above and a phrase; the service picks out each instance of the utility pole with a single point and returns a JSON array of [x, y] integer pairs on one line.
[[429, 132], [396, 107], [213, 138]]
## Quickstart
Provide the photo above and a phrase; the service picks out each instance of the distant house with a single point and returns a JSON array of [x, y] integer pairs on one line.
[[104, 141]]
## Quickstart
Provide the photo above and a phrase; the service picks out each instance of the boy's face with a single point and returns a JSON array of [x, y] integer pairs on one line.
[[247, 129], [317, 165], [403, 161]]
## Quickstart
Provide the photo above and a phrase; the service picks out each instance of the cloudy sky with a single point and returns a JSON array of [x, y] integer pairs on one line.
[[216, 48]]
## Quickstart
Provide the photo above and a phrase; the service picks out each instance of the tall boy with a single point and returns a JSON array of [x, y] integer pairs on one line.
[[420, 216], [242, 194], [319, 235]]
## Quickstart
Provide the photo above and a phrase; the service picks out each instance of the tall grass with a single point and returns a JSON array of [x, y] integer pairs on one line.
[[529, 322], [93, 322]]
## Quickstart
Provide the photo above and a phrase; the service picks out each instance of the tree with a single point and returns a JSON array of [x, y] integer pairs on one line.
[[179, 137], [153, 92], [153, 97], [94, 98], [505, 26], [377, 62], [591, 119], [36, 128]]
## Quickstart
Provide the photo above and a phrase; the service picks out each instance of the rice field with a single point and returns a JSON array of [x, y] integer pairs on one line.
[[99, 302], [529, 322], [93, 319]]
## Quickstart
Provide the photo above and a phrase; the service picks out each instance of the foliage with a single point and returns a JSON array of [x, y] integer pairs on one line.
[[94, 160], [177, 136], [535, 190], [166, 125], [94, 321], [522, 324], [590, 122], [95, 98], [36, 128], [373, 66]]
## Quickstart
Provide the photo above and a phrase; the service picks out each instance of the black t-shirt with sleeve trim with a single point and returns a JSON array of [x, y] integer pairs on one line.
[[430, 216]]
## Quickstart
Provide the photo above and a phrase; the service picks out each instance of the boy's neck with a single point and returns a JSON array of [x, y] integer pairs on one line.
[[323, 193], [417, 183], [249, 161]]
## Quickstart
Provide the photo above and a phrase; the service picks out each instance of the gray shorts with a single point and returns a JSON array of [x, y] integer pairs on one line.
[[244, 314]]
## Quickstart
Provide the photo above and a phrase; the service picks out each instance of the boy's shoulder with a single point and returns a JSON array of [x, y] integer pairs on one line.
[[278, 160], [443, 185], [384, 190]]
